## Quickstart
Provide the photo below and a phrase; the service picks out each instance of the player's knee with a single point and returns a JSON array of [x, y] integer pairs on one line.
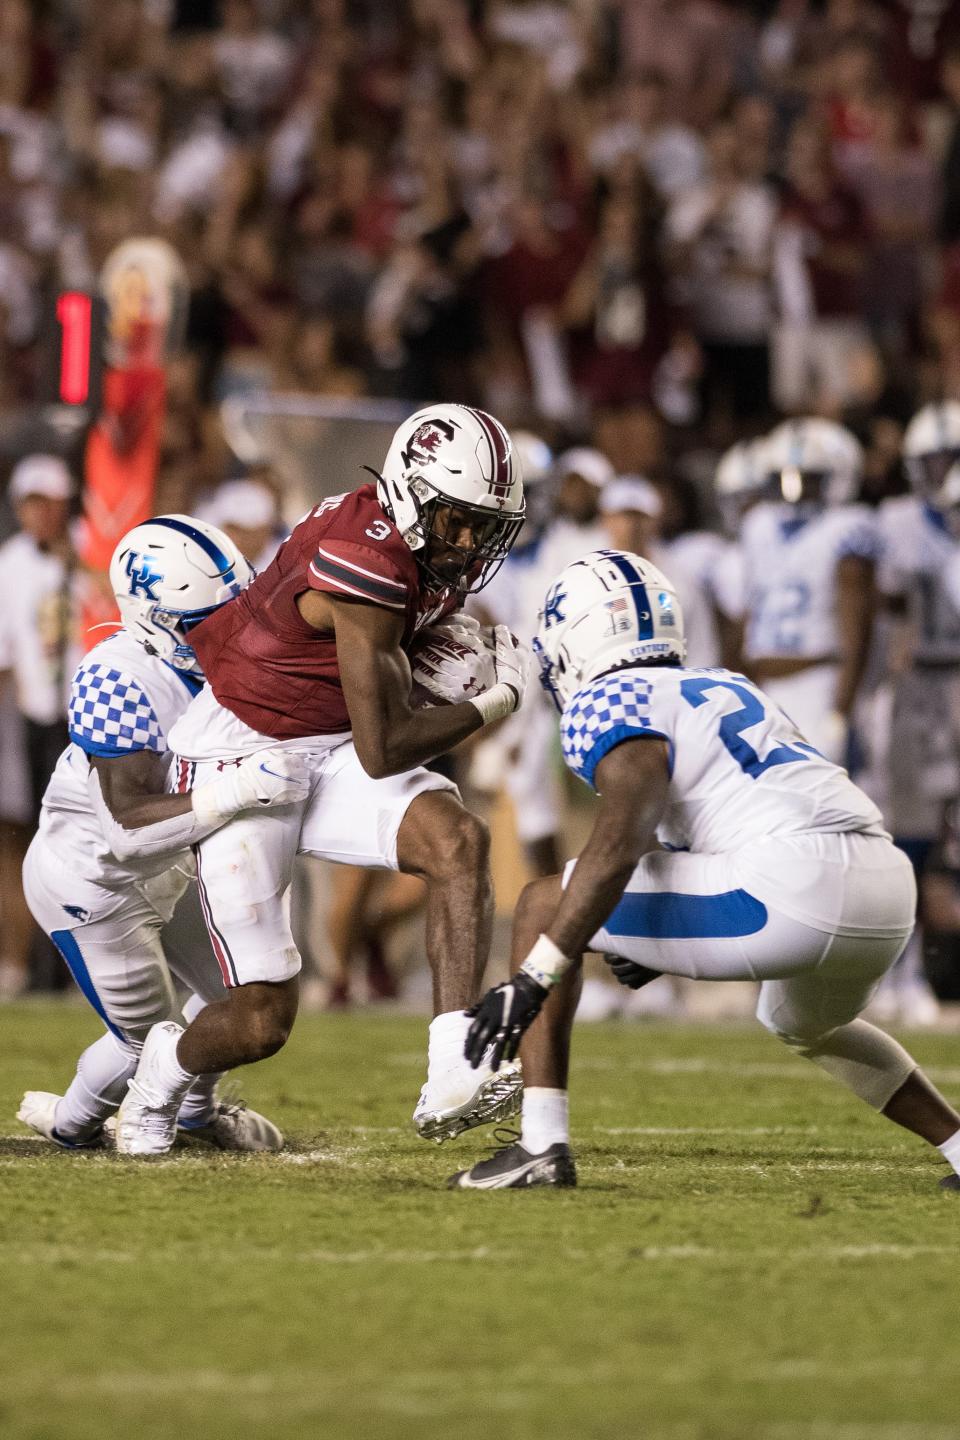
[[461, 846], [268, 1013], [538, 902], [268, 1034], [471, 841], [129, 1045]]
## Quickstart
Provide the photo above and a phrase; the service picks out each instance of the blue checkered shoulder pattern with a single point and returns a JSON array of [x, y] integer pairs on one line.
[[599, 717], [109, 713]]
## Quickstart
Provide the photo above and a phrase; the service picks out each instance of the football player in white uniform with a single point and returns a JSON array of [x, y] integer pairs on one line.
[[521, 753], [776, 867], [739, 484], [809, 559], [111, 859], [632, 508], [918, 547], [947, 501]]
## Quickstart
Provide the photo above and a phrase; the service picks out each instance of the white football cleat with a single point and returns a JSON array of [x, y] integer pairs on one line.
[[234, 1127], [147, 1119], [462, 1098], [38, 1109]]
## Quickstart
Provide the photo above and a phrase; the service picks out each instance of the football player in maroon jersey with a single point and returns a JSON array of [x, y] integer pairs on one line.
[[313, 656]]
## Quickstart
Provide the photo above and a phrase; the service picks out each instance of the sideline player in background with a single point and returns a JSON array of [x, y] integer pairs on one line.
[[809, 555], [111, 856], [521, 753], [314, 656], [922, 751], [918, 546], [784, 872]]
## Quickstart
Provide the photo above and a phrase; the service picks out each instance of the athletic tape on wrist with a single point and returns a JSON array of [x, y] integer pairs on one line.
[[546, 964], [495, 703]]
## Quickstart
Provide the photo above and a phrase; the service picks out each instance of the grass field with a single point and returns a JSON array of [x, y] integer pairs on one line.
[[750, 1254]]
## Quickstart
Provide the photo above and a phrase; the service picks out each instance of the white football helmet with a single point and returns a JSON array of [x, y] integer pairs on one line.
[[812, 462], [447, 466], [536, 461], [931, 444], [607, 609], [170, 573], [740, 477], [947, 500]]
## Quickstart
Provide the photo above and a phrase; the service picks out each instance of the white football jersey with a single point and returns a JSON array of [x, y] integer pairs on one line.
[[514, 596], [715, 563], [918, 555], [790, 564], [740, 771], [121, 700]]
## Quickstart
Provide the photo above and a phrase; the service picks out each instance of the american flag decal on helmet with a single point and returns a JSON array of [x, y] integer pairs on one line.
[[501, 455]]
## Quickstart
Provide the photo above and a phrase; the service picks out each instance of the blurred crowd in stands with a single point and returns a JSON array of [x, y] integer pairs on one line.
[[663, 218], [647, 227]]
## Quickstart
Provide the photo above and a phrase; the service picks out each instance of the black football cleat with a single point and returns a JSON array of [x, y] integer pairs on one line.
[[513, 1168], [950, 1182]]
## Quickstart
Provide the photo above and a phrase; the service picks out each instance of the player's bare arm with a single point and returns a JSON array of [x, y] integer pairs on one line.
[[138, 819], [132, 787], [632, 780], [389, 734], [856, 607]]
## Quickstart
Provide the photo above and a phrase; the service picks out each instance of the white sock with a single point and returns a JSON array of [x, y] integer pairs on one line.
[[950, 1150], [546, 1119], [197, 1105], [450, 1080], [191, 1008], [448, 1035], [97, 1089], [172, 1078]]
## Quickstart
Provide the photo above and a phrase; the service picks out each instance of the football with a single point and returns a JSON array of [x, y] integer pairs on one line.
[[452, 661]]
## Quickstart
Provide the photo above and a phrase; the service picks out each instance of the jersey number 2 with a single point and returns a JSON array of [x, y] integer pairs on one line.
[[731, 726]]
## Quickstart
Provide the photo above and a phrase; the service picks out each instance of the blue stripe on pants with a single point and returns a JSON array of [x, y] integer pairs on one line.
[[70, 950], [662, 915]]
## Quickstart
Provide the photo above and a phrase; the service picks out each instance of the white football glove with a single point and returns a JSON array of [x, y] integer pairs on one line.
[[511, 660], [451, 663], [268, 777]]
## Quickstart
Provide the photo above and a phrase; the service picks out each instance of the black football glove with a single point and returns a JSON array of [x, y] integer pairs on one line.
[[629, 973], [501, 1017]]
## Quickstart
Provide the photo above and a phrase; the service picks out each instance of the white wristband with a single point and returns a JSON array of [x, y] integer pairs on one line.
[[545, 963], [495, 703]]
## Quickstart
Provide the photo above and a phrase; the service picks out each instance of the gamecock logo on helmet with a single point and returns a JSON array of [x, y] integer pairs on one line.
[[424, 441]]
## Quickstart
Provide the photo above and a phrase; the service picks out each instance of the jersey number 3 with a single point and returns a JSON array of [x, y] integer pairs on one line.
[[732, 725]]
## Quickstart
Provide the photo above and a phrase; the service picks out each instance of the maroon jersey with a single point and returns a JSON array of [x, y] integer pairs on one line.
[[835, 222], [264, 662]]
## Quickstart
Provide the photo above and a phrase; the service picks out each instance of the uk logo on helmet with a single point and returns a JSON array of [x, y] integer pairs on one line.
[[144, 576], [552, 611]]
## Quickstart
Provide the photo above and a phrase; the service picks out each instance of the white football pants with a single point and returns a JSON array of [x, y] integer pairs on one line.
[[764, 913], [245, 868], [123, 952]]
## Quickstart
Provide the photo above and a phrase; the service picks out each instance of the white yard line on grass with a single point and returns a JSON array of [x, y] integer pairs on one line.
[[701, 1129], [54, 1254]]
